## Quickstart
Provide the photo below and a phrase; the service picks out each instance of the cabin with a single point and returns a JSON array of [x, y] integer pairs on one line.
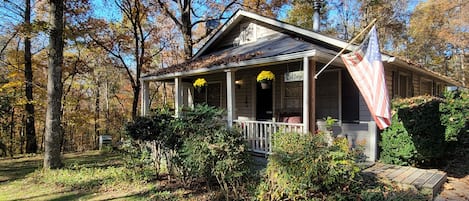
[[248, 44]]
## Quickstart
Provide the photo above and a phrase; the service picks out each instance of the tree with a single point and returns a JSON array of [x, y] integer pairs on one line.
[[186, 11], [53, 129], [301, 13], [440, 34], [19, 18], [130, 41], [31, 144], [269, 8]]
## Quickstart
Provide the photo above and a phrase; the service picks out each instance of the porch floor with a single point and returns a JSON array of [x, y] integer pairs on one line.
[[427, 181]]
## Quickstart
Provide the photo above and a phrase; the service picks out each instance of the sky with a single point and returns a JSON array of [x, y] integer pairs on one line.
[[105, 9]]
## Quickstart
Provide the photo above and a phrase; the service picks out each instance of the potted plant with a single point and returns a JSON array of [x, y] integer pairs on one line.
[[265, 78], [325, 125], [199, 84]]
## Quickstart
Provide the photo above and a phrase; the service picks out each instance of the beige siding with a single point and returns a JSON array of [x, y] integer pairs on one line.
[[415, 84], [388, 72], [261, 30]]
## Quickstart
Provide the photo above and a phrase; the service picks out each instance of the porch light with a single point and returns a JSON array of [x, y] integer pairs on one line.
[[238, 83]]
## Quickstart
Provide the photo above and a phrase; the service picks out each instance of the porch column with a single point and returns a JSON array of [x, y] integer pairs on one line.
[[312, 96], [373, 143], [306, 94], [145, 106], [230, 96], [178, 95]]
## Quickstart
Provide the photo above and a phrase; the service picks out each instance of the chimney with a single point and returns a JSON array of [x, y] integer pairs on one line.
[[211, 25], [316, 19]]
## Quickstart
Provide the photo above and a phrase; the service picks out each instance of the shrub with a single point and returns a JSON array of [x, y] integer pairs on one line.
[[211, 151], [416, 136], [304, 167], [397, 145], [197, 144], [455, 114], [158, 127]]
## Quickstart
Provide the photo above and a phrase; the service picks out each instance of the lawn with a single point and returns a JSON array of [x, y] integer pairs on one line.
[[87, 176], [104, 176]]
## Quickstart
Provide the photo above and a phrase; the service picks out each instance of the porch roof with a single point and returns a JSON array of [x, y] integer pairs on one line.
[[268, 47]]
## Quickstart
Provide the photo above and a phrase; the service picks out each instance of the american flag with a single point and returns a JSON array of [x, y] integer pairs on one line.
[[366, 69]]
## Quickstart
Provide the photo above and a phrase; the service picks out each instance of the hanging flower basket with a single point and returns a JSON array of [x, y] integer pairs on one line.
[[265, 78], [266, 84], [199, 84]]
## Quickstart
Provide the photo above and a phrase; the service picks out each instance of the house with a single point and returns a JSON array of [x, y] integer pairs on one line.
[[248, 44]]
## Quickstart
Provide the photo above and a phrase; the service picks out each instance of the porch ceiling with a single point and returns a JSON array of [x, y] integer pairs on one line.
[[271, 46]]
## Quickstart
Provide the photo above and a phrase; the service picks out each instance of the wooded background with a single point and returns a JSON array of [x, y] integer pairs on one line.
[[110, 44]]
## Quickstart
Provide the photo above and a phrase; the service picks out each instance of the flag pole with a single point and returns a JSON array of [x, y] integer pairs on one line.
[[343, 49]]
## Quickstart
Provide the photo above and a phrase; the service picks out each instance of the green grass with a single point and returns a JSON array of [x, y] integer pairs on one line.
[[85, 176]]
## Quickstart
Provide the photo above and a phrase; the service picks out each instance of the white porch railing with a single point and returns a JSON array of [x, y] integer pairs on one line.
[[258, 134]]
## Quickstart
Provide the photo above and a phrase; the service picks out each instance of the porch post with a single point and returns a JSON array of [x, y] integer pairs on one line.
[[178, 95], [230, 96], [373, 143], [312, 96], [306, 94], [145, 106]]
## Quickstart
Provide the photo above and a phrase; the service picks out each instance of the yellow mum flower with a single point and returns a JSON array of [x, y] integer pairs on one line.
[[265, 75]]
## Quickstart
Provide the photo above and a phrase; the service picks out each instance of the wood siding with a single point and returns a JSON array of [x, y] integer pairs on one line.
[[233, 36]]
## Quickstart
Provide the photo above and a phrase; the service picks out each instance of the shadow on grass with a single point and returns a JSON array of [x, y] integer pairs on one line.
[[373, 188], [14, 169], [67, 195]]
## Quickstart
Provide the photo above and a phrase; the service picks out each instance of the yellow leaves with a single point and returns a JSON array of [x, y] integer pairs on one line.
[[14, 84]]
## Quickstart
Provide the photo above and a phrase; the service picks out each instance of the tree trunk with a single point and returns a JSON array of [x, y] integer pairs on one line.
[[53, 132], [12, 131], [135, 100], [96, 115], [31, 144], [186, 29]]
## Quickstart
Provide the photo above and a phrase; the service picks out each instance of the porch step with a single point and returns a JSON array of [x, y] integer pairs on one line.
[[427, 181]]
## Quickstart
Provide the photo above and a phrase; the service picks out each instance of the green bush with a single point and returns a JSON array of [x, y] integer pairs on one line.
[[416, 136], [197, 146], [304, 167], [211, 151], [397, 145], [157, 126], [455, 114]]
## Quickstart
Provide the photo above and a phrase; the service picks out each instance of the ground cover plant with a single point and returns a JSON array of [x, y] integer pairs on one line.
[[90, 176]]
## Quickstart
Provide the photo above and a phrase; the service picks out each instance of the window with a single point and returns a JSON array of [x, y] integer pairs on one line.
[[293, 99], [350, 99], [337, 96], [426, 87], [210, 95], [248, 33], [327, 95], [403, 86]]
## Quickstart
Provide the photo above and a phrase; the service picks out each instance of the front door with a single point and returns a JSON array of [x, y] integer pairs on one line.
[[264, 105]]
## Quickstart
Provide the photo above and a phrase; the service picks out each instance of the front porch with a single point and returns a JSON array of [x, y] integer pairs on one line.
[[293, 103], [258, 134]]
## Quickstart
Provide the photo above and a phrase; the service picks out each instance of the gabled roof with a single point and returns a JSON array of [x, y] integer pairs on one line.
[[240, 15], [289, 41]]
